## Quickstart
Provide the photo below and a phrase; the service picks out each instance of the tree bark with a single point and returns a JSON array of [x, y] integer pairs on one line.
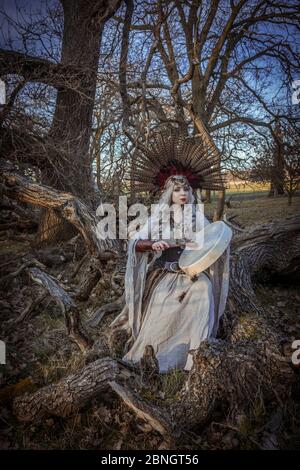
[[63, 205], [70, 394], [72, 121]]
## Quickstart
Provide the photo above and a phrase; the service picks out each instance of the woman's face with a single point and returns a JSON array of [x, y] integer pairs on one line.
[[180, 194]]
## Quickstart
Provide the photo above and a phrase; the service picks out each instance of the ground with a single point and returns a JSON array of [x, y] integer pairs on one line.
[[39, 353]]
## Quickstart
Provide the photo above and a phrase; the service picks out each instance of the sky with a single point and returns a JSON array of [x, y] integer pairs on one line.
[[20, 11]]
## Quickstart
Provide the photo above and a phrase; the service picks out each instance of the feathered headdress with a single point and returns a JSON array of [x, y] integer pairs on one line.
[[169, 153]]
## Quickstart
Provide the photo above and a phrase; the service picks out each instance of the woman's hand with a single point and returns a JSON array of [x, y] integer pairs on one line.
[[192, 245], [159, 246]]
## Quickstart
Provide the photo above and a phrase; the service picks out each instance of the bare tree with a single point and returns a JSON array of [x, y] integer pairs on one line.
[[279, 164], [212, 65], [64, 158], [291, 180]]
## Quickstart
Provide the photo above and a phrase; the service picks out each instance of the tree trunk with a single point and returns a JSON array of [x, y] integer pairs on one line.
[[53, 228], [279, 161], [271, 190], [208, 196], [219, 211], [72, 121]]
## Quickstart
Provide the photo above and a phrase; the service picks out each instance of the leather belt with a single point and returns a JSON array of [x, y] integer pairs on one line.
[[173, 267]]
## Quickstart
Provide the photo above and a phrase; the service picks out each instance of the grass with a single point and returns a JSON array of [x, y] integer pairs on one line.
[[170, 385], [55, 367], [251, 212], [13, 246], [172, 382], [247, 188]]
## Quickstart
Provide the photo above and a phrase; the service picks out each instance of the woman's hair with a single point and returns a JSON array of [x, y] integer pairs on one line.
[[172, 181], [161, 210]]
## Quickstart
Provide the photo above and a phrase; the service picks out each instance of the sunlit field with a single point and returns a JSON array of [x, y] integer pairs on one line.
[[257, 208], [233, 188]]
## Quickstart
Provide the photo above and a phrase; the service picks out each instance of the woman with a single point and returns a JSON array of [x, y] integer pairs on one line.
[[164, 307]]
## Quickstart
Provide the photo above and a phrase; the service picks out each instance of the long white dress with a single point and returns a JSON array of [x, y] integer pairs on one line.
[[179, 314], [174, 326]]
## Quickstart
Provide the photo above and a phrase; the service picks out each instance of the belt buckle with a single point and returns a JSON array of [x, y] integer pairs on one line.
[[171, 266]]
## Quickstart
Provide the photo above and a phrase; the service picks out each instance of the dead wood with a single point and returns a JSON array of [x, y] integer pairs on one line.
[[70, 394], [75, 329], [64, 204]]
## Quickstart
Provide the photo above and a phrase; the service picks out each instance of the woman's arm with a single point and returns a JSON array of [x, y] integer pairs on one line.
[[144, 245], [149, 245]]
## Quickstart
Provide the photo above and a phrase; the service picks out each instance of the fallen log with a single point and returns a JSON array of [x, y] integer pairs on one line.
[[70, 394], [28, 310], [97, 316], [64, 205], [75, 329], [156, 417]]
